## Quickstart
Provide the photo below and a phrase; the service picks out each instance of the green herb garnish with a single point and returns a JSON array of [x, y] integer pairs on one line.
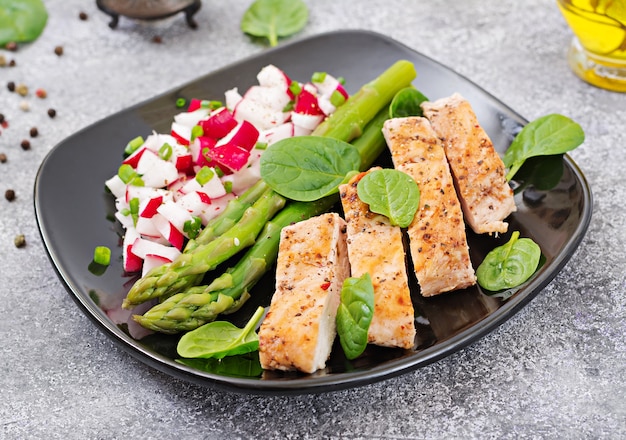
[[354, 315]]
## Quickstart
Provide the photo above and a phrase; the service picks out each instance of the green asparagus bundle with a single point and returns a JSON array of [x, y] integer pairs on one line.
[[200, 304]]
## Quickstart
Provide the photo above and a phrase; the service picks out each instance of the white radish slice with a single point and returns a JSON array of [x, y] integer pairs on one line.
[[131, 262], [116, 186], [272, 76], [142, 248], [308, 122], [190, 119], [216, 207], [278, 133], [156, 172], [260, 116], [181, 133], [133, 159], [232, 98], [271, 97], [174, 236]]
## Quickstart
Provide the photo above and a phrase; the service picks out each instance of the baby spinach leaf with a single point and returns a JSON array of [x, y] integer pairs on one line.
[[220, 338], [354, 315], [509, 265], [242, 365], [407, 103], [547, 135], [21, 21], [307, 168], [391, 193], [272, 19]]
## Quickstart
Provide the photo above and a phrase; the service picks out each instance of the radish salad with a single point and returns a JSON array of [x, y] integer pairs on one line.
[[170, 185]]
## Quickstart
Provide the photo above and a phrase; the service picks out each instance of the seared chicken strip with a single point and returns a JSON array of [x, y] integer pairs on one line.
[[479, 173], [438, 243], [299, 329], [376, 247]]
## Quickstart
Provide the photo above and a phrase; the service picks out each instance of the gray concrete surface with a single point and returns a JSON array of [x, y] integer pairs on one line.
[[555, 370]]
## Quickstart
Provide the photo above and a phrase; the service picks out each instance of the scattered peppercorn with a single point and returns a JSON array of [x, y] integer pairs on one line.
[[21, 89], [25, 144], [11, 45], [34, 132], [11, 86], [83, 16], [58, 50], [9, 194], [25, 106], [1, 118], [12, 63], [3, 158], [157, 39], [19, 241], [52, 112], [3, 61], [41, 93]]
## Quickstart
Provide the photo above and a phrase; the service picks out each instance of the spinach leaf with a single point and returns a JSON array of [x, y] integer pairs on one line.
[[509, 265], [391, 193], [274, 18], [354, 315], [407, 103], [307, 168], [547, 135], [220, 338], [21, 21], [243, 365]]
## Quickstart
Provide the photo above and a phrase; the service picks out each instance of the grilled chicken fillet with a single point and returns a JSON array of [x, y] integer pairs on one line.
[[299, 329], [376, 247], [478, 171], [438, 243]]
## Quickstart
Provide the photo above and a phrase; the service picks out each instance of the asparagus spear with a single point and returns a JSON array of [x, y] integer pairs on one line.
[[181, 314], [189, 268]]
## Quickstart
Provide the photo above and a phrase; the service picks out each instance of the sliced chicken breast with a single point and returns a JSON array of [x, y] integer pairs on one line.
[[299, 328], [438, 243], [479, 173], [376, 247]]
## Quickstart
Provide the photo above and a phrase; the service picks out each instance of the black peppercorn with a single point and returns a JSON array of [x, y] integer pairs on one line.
[[1, 118], [83, 16], [58, 50], [34, 132], [3, 158], [19, 241], [52, 112], [11, 86], [25, 144], [9, 194]]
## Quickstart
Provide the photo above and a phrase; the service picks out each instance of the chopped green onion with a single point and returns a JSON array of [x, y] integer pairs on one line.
[[180, 102], [211, 105], [134, 209], [192, 227], [133, 145], [129, 176], [261, 145], [165, 152], [336, 98], [318, 77], [204, 175], [125, 212], [219, 172], [196, 131], [295, 88], [290, 105], [228, 186], [341, 80], [102, 255]]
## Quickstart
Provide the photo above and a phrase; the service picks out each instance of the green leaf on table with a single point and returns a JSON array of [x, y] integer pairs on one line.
[[547, 135], [391, 193], [242, 365], [218, 339], [21, 21], [273, 19], [307, 168], [407, 103], [354, 314], [509, 265]]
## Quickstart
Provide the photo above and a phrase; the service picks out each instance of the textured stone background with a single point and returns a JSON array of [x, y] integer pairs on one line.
[[555, 370]]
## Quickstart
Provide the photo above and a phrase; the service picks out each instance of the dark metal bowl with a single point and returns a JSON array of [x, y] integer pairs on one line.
[[149, 9]]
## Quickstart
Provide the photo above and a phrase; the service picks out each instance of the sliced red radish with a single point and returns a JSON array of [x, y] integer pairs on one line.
[[142, 248], [171, 233], [175, 214], [195, 202], [231, 156], [272, 76], [156, 172], [307, 104], [306, 121], [278, 133], [133, 159], [218, 124], [116, 186], [181, 133], [260, 116], [232, 98], [130, 261], [270, 97], [191, 118], [244, 135], [213, 188], [153, 261], [216, 207]]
